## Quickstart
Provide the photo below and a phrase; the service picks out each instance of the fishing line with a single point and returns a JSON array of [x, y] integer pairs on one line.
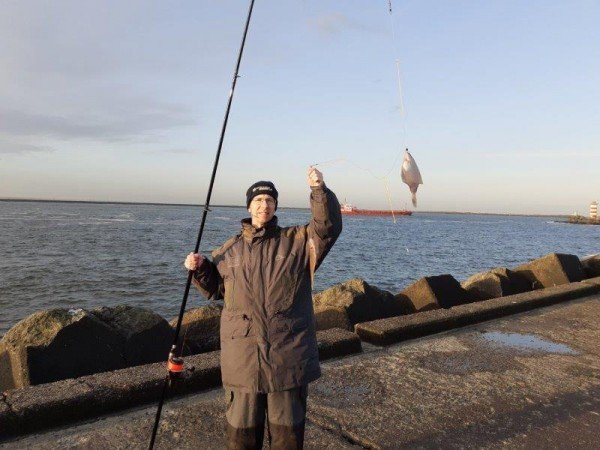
[[384, 179], [402, 112], [386, 183], [358, 166], [174, 362], [396, 51]]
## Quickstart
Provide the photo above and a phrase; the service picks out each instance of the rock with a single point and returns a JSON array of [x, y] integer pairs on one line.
[[440, 291], [358, 301], [200, 329], [147, 337], [57, 344], [496, 283], [591, 266], [551, 270]]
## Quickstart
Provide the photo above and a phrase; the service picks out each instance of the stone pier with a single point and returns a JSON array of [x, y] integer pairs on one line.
[[530, 379]]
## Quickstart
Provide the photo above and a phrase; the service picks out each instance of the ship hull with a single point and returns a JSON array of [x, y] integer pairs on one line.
[[376, 212]]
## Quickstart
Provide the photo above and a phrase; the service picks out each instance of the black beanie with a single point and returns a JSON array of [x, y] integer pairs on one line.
[[259, 188]]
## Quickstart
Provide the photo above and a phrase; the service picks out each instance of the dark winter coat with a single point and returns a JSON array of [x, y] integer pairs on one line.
[[268, 337]]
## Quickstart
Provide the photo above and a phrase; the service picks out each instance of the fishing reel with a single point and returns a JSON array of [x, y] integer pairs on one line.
[[175, 366]]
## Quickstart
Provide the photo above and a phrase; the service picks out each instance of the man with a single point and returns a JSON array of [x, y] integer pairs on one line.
[[268, 340]]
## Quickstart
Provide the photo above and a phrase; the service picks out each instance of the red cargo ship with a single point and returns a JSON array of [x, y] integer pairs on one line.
[[350, 210]]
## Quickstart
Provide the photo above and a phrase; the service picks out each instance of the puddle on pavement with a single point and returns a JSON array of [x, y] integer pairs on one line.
[[527, 342]]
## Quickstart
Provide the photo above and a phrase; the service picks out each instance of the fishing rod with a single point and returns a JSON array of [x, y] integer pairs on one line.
[[175, 363]]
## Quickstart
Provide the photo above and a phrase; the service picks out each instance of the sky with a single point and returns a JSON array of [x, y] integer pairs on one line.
[[124, 101]]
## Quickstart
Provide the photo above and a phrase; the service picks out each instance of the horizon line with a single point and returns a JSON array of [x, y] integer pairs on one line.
[[117, 202]]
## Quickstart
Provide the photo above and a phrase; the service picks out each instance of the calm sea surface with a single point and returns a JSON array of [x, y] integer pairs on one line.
[[78, 255]]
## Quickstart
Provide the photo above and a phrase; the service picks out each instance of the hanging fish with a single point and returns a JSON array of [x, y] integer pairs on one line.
[[410, 175]]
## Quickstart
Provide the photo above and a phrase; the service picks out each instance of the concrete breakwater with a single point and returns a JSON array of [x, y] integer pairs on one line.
[[430, 305], [581, 220]]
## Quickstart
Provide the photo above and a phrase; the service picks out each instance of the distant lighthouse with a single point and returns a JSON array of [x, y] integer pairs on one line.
[[594, 210]]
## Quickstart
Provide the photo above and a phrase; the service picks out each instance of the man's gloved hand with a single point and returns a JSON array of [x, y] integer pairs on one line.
[[193, 261]]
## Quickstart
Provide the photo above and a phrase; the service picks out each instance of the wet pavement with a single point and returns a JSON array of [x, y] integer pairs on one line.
[[527, 342], [525, 381]]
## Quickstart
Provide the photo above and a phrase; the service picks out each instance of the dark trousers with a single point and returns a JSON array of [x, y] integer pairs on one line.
[[283, 413]]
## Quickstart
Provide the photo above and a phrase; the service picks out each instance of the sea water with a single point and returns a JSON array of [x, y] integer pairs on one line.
[[85, 255]]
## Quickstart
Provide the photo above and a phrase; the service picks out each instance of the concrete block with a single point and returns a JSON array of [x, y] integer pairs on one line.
[[8, 420], [397, 329], [550, 270], [121, 388], [331, 317], [38, 407], [495, 283], [11, 373], [485, 285], [142, 384], [336, 342], [440, 291], [57, 344], [516, 284], [594, 281], [200, 328], [360, 301], [146, 336], [42, 406], [591, 266]]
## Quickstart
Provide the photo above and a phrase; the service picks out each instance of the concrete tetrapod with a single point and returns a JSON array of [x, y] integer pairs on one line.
[[439, 291], [495, 283], [397, 329], [57, 344], [552, 270], [354, 301], [146, 335], [591, 266], [200, 329]]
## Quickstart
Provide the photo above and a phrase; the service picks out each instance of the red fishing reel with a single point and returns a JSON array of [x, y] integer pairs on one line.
[[175, 366]]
